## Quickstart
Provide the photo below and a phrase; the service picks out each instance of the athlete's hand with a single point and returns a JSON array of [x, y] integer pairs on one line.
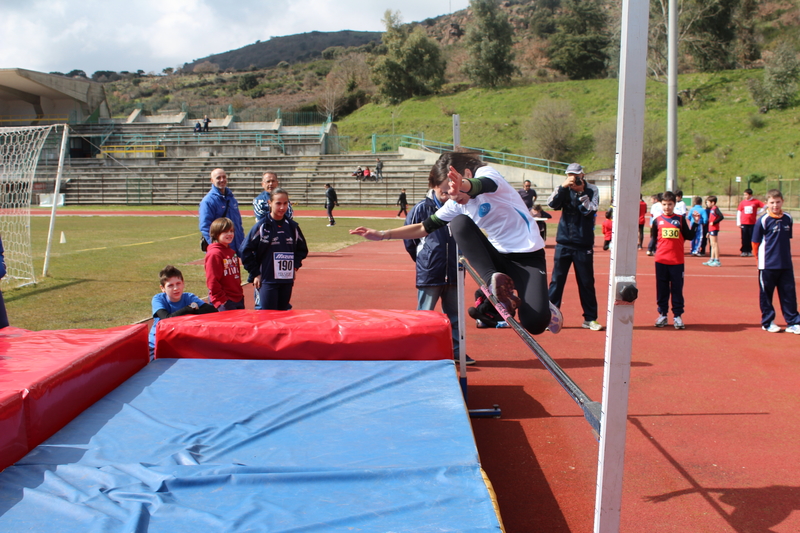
[[367, 233], [456, 191], [257, 282]]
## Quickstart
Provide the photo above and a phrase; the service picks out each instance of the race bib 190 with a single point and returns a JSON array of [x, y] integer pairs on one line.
[[284, 265]]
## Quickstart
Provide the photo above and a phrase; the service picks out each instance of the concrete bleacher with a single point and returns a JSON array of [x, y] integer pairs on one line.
[[146, 163], [185, 180]]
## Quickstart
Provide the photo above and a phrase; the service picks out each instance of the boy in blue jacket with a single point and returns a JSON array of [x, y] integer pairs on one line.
[[436, 257]]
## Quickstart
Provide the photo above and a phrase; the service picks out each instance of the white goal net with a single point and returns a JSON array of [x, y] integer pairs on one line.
[[19, 152]]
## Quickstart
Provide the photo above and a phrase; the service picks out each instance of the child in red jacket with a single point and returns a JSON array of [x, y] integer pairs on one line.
[[608, 224], [223, 277]]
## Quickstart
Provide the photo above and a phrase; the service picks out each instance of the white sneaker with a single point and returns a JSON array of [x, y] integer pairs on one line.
[[593, 325], [773, 328], [556, 320], [678, 322], [661, 321], [794, 329]]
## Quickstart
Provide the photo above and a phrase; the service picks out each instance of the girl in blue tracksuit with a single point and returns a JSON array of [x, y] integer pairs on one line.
[[272, 253]]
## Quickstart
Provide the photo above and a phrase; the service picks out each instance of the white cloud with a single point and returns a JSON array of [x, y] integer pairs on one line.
[[91, 35]]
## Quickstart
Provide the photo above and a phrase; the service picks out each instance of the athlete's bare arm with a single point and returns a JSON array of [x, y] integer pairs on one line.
[[412, 231]]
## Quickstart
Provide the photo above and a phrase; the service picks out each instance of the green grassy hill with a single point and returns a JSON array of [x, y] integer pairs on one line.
[[721, 133]]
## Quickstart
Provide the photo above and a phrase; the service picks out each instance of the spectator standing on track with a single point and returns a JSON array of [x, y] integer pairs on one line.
[[378, 169], [700, 230], [680, 205], [273, 253], [220, 203], [537, 211], [527, 194], [608, 229], [223, 276], [269, 182], [331, 201], [402, 201], [436, 259], [642, 214], [715, 216], [772, 244], [671, 230], [746, 216], [655, 211], [510, 257], [577, 199]]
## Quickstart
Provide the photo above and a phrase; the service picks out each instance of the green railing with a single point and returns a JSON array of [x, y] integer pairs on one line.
[[390, 143]]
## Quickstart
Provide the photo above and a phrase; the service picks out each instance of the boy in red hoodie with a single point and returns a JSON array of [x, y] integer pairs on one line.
[[223, 278], [670, 231]]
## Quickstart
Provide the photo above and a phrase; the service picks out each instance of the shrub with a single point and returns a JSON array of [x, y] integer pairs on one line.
[[551, 130]]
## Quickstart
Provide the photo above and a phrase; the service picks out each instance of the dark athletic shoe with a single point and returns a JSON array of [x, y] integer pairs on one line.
[[469, 360], [502, 287]]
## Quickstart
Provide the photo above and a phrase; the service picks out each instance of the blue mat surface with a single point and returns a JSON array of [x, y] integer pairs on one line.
[[226, 445]]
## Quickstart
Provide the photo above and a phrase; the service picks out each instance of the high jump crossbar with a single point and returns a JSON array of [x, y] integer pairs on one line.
[[591, 409]]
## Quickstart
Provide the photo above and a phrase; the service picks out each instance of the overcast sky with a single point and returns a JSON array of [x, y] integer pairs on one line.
[[92, 35]]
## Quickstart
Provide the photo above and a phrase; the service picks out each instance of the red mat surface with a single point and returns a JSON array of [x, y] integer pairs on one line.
[[711, 443]]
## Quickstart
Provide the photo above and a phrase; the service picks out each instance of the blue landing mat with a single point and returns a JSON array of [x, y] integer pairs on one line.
[[225, 445]]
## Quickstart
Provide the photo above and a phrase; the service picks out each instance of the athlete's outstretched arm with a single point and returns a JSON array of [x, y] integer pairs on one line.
[[412, 231]]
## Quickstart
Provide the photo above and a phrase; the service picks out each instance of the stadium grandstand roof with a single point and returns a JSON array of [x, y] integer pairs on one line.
[[31, 98]]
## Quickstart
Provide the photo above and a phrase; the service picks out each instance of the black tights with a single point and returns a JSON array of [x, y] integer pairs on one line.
[[528, 270]]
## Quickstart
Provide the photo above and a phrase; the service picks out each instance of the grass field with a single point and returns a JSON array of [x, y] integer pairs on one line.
[[107, 272]]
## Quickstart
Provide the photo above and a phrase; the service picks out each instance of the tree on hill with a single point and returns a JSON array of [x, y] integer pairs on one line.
[[489, 41], [413, 64], [781, 72], [577, 49]]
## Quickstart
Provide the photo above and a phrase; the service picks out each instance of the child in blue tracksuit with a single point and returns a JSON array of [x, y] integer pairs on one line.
[[700, 234], [772, 236], [272, 253]]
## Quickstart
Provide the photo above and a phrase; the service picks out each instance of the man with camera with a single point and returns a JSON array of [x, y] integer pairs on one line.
[[577, 201]]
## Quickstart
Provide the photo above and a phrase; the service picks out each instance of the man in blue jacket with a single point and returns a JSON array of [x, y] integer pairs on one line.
[[219, 203], [577, 201], [436, 256]]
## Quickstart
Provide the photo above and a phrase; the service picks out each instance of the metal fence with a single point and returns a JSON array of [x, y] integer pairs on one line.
[[390, 143]]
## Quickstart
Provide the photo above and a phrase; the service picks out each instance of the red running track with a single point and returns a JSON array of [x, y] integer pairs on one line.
[[713, 413], [711, 443]]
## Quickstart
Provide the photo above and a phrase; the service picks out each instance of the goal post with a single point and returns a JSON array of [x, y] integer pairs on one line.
[[20, 148]]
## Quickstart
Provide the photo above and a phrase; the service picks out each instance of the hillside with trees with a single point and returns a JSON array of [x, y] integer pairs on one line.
[[493, 52]]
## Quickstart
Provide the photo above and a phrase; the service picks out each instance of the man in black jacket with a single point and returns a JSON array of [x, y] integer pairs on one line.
[[436, 256], [577, 201]]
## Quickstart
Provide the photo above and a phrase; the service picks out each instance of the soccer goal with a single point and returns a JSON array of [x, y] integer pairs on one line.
[[20, 148]]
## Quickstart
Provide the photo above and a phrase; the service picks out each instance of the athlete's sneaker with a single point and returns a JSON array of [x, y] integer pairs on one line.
[[794, 329], [649, 252], [710, 262], [556, 320], [678, 323], [773, 328], [502, 287], [480, 324], [661, 321], [467, 359], [715, 263], [502, 324], [593, 325]]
